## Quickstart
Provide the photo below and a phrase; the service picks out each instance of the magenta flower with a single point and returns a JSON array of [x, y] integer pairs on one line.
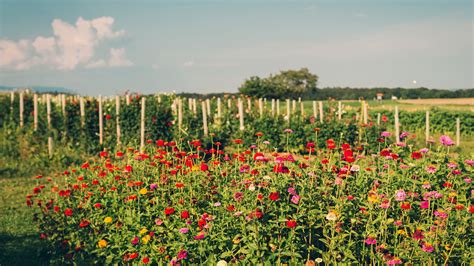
[[394, 261], [295, 199], [427, 247], [424, 204], [446, 140], [385, 134], [135, 241], [431, 169], [370, 241], [182, 254]]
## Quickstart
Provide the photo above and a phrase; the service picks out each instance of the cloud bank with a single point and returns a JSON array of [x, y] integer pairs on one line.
[[71, 46]]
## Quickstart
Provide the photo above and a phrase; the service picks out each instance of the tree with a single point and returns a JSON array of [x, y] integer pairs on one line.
[[288, 83]]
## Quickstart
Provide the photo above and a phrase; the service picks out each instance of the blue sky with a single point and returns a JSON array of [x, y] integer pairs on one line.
[[110, 46]]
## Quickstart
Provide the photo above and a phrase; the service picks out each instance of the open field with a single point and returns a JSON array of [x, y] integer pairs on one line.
[[458, 101]]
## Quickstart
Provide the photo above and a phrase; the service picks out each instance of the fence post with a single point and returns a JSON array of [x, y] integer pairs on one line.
[[241, 114], [180, 113], [273, 107], [194, 106], [142, 127], [458, 131], [378, 118], [50, 146], [48, 109], [63, 104], [302, 108], [127, 99], [260, 106], [397, 126], [315, 111], [293, 109], [366, 113], [35, 111], [278, 107], [427, 126], [288, 110], [204, 118], [12, 99], [82, 110], [321, 112], [229, 103], [101, 122], [219, 109], [208, 107], [249, 103], [117, 119], [190, 104], [21, 109]]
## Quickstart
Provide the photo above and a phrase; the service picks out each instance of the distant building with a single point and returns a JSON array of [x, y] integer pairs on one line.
[[394, 97], [379, 96]]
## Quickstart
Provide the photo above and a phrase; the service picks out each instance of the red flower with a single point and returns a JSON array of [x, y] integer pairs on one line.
[[169, 211], [405, 205], [184, 215], [84, 223], [107, 117], [330, 144], [291, 223], [160, 143], [145, 260], [204, 167], [238, 141], [416, 155], [68, 212], [274, 196], [128, 169]]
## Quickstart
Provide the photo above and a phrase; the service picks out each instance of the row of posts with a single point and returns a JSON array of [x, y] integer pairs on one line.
[[177, 107]]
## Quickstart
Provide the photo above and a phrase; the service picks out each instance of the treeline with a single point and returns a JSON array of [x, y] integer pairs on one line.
[[347, 93]]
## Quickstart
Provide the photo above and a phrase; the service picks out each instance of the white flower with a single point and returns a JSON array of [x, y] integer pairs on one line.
[[222, 263], [318, 260], [332, 216], [252, 187]]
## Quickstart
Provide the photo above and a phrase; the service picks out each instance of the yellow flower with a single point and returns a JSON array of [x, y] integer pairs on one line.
[[402, 232], [143, 191], [143, 231], [195, 168], [222, 263], [108, 220], [332, 216], [102, 243], [145, 239]]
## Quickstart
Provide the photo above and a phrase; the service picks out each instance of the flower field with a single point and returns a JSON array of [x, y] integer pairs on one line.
[[180, 203]]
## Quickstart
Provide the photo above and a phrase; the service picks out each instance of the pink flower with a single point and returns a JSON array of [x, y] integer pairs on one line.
[[184, 230], [431, 169], [295, 199], [158, 222], [385, 134], [394, 261], [401, 195], [135, 240], [441, 214], [404, 135], [370, 241], [452, 165], [398, 223], [424, 150], [424, 204], [200, 236], [238, 196], [446, 140], [385, 204], [427, 247], [470, 162]]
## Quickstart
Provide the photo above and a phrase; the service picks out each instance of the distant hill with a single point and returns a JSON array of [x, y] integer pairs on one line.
[[41, 89]]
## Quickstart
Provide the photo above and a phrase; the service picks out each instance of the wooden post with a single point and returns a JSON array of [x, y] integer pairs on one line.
[[117, 119], [229, 103], [219, 109], [427, 126], [21, 109], [366, 113], [101, 122], [127, 99], [260, 107], [293, 109], [12, 99], [82, 110], [50, 146], [249, 103], [194, 106], [339, 110], [190, 104], [35, 112], [204, 118], [397, 126], [63, 104], [241, 114], [180, 113], [278, 107], [315, 111], [288, 110], [273, 107], [378, 118], [142, 127], [458, 131], [321, 112], [302, 108], [208, 107], [48, 109]]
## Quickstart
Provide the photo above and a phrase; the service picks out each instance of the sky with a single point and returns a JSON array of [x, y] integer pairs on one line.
[[109, 47]]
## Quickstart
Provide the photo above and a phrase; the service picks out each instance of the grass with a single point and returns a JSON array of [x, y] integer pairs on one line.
[[19, 238]]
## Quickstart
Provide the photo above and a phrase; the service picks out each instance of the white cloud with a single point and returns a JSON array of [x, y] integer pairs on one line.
[[188, 63], [117, 58], [69, 47]]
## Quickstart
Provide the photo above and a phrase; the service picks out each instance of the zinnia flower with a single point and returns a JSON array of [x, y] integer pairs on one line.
[[446, 140]]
